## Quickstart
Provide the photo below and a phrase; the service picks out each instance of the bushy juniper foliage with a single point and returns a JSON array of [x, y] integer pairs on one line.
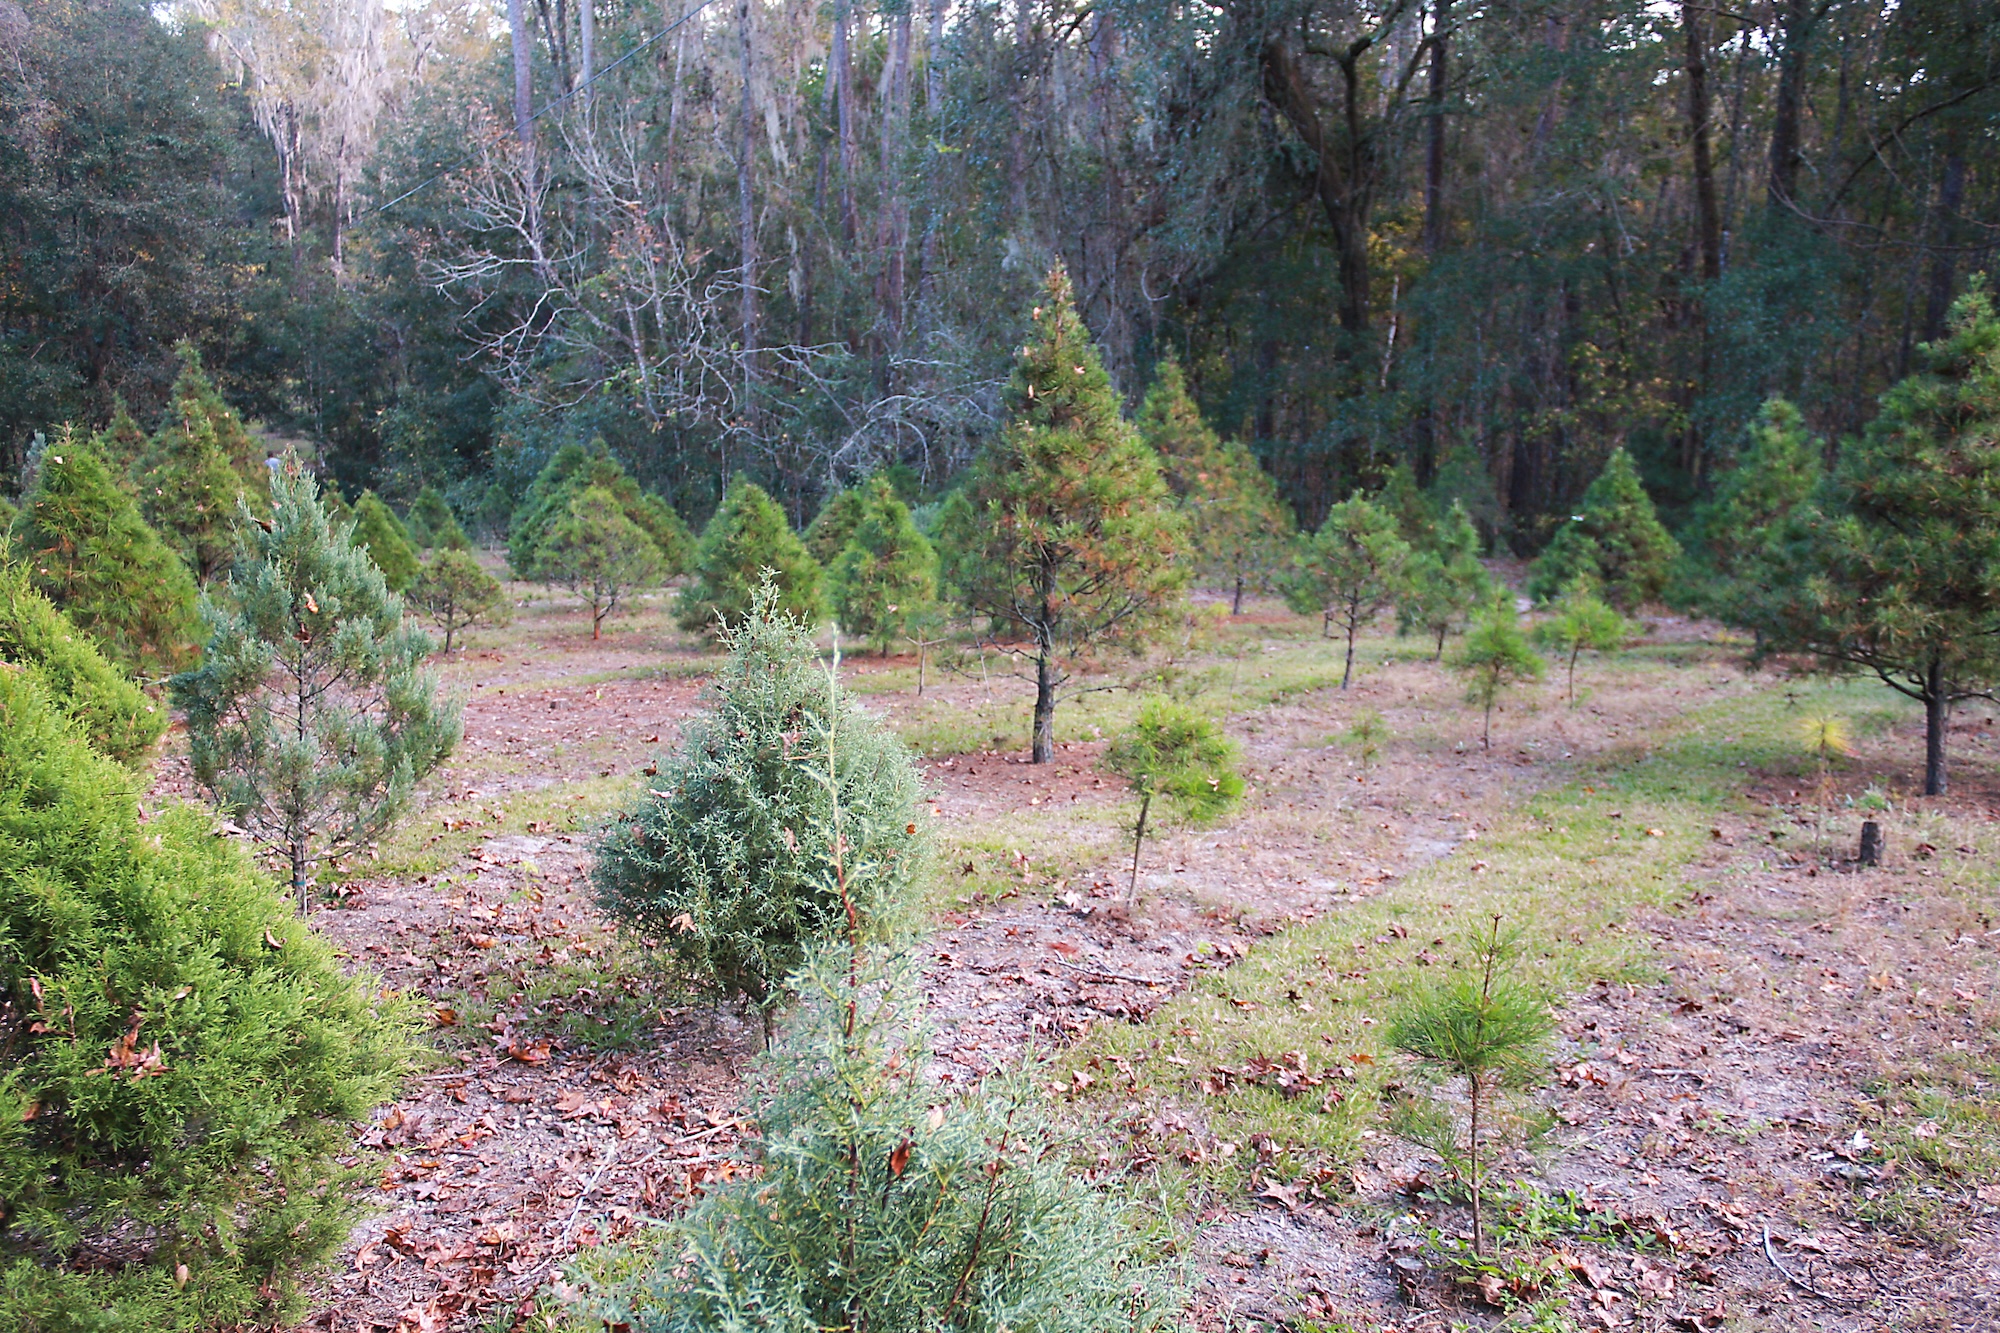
[[111, 712], [572, 469], [312, 717], [885, 1201], [381, 534], [183, 1059], [88, 549], [722, 858], [599, 554], [746, 536]]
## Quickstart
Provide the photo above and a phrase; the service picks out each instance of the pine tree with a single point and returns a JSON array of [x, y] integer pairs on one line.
[[1615, 539], [1349, 570], [747, 535], [1072, 540], [1403, 500], [91, 553], [885, 578], [432, 525], [826, 536], [184, 1063], [1777, 474], [723, 858], [311, 718], [1238, 528], [599, 554], [1894, 566], [455, 593], [572, 469], [38, 641], [197, 468], [1494, 658], [1579, 620], [1180, 756], [378, 532], [1445, 582]]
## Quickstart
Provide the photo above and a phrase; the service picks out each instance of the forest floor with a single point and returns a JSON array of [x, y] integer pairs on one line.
[[1775, 1097]]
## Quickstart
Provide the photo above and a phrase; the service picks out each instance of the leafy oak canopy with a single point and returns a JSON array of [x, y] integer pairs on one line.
[[173, 1117], [1614, 538], [1894, 566], [884, 581], [1068, 537], [1238, 528], [599, 554], [572, 469], [89, 551], [38, 641], [312, 717], [747, 535]]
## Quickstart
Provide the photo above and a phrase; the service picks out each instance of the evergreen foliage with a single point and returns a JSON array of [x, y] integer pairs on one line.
[[90, 553], [1482, 1025], [747, 535], [1403, 500], [599, 554], [378, 532], [312, 717], [572, 469], [194, 1060], [1444, 582], [1349, 570], [1579, 620], [827, 535], [884, 581], [1494, 658], [1238, 529], [455, 593], [888, 1203], [1894, 567], [1615, 539], [196, 469], [1069, 536], [723, 858], [109, 711], [431, 524], [1777, 473], [1176, 753]]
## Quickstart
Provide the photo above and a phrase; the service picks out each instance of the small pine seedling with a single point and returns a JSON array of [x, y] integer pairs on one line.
[[1367, 735], [1483, 1026], [1181, 756], [1494, 657]]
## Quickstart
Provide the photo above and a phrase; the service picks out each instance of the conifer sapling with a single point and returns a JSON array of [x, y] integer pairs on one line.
[[39, 641], [1349, 570], [746, 536], [599, 554], [1578, 621], [885, 578], [378, 532], [455, 593], [1494, 658], [1615, 538], [312, 716], [1179, 755]]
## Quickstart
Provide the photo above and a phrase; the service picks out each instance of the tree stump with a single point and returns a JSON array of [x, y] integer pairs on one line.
[[1871, 843]]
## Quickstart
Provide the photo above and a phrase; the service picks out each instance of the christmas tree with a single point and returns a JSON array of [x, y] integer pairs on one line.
[[377, 532], [885, 578], [748, 535], [599, 554], [91, 553], [571, 470], [455, 593], [38, 641], [1615, 540], [432, 525], [311, 718], [1349, 570], [200, 464], [1070, 538], [1444, 582]]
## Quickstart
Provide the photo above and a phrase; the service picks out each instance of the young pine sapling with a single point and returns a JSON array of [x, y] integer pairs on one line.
[[1179, 755], [1495, 657], [1582, 620]]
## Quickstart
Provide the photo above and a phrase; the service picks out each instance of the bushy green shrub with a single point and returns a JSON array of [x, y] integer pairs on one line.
[[1615, 539], [91, 553], [722, 858], [110, 711], [183, 1059], [887, 1203], [312, 716], [455, 593], [599, 554], [885, 579], [747, 535], [568, 472], [381, 534], [432, 525]]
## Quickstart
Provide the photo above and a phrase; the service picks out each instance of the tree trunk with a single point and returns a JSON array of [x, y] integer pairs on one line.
[[1138, 841], [1353, 627], [842, 60], [1474, 1095], [1937, 717], [1236, 603], [586, 20], [1434, 149], [1707, 219], [1795, 24], [1345, 188], [300, 882], [1944, 266], [746, 205], [893, 225], [1486, 733], [524, 79], [1045, 704]]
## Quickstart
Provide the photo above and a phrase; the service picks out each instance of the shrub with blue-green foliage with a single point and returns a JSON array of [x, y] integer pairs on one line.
[[183, 1059], [721, 858]]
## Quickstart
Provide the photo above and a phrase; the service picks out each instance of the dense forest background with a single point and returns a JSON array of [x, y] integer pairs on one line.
[[432, 242]]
